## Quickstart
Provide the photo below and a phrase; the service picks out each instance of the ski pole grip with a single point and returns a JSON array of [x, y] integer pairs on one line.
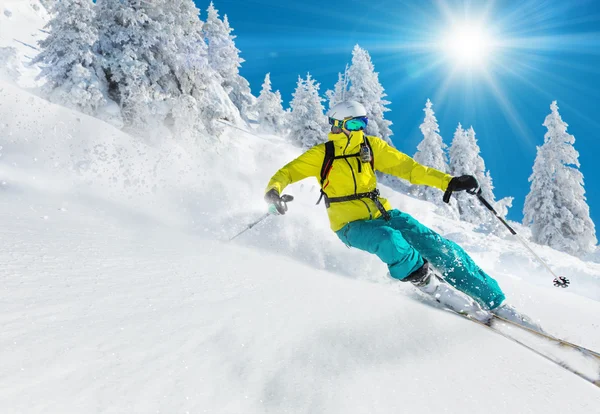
[[447, 196]]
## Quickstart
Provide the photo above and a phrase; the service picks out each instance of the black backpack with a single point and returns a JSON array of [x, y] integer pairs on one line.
[[330, 157]]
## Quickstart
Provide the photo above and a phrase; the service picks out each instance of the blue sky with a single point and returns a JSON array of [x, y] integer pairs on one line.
[[545, 50]]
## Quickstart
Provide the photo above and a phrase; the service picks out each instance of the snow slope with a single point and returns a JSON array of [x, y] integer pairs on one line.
[[104, 314], [120, 293]]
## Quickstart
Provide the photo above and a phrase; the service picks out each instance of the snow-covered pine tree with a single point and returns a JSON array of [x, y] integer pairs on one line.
[[366, 89], [48, 4], [67, 59], [193, 106], [308, 125], [465, 158], [431, 152], [271, 116], [128, 43], [556, 207], [194, 88], [283, 122], [156, 60], [487, 186], [224, 58], [338, 94], [241, 94], [180, 48], [501, 206]]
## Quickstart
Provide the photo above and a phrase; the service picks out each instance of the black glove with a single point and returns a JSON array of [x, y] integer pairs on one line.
[[464, 182], [279, 203]]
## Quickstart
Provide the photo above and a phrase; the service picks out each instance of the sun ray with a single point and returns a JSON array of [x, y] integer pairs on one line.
[[443, 89], [546, 94], [537, 71], [581, 43], [509, 110], [411, 72]]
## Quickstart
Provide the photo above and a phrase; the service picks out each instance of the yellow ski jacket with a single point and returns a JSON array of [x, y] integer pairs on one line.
[[344, 178]]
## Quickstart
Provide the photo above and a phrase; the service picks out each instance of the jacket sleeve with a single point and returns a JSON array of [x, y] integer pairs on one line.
[[391, 161], [306, 165]]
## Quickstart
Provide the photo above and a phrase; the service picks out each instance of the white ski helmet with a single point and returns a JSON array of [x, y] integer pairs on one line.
[[346, 110]]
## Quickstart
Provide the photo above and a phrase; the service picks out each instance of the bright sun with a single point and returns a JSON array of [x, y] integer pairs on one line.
[[468, 46]]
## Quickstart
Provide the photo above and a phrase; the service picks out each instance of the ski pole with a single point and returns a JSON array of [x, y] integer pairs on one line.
[[236, 127], [280, 208], [244, 130], [249, 226], [559, 281]]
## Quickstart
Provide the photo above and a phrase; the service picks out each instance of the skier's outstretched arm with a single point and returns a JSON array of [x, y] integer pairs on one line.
[[306, 165], [391, 161]]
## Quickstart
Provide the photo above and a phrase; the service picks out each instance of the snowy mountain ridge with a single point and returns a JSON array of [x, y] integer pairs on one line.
[[121, 294]]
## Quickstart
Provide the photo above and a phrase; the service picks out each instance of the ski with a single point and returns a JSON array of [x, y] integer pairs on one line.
[[559, 341], [490, 326]]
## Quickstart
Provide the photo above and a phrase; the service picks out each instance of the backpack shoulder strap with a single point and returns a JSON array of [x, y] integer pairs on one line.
[[327, 161], [372, 154]]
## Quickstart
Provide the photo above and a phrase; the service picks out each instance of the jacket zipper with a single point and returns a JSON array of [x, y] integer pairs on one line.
[[353, 177]]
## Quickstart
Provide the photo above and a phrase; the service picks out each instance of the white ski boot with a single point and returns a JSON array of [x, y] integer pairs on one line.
[[426, 280], [510, 313]]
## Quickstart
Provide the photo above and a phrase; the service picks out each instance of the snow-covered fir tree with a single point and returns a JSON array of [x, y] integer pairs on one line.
[[308, 125], [431, 152], [224, 58], [501, 206], [465, 158], [484, 178], [67, 59], [338, 94], [271, 116], [181, 47], [128, 44], [48, 4], [240, 94], [366, 89], [223, 55], [194, 87], [155, 58], [556, 207]]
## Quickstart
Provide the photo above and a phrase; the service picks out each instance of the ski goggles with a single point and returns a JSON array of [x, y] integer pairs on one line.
[[352, 124]]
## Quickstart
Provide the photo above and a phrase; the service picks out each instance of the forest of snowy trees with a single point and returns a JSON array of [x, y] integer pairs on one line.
[[156, 62], [156, 67]]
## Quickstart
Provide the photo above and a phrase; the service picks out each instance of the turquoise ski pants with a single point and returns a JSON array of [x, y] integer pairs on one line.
[[402, 243]]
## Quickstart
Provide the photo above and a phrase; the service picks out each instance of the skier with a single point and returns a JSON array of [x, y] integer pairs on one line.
[[345, 167]]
